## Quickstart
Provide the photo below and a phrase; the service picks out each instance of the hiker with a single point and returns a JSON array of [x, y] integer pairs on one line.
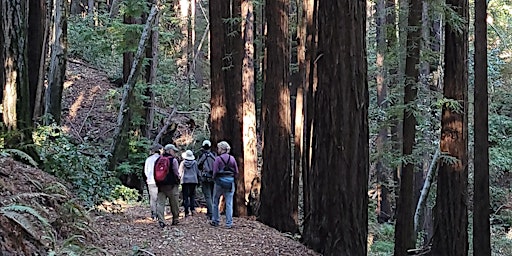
[[168, 188], [189, 173], [205, 164], [149, 168], [225, 170]]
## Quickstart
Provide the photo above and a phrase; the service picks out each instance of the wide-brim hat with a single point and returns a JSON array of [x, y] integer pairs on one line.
[[188, 155]]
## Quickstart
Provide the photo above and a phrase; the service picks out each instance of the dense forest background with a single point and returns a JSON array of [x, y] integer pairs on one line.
[[341, 115]]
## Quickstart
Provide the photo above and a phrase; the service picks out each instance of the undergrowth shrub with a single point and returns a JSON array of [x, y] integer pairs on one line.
[[79, 164]]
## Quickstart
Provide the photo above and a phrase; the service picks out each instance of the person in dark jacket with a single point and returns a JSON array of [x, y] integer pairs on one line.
[[205, 163], [189, 174], [224, 183], [168, 189]]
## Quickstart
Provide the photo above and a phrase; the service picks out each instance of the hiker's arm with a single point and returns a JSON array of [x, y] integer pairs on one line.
[[175, 167], [216, 166], [236, 167], [181, 169]]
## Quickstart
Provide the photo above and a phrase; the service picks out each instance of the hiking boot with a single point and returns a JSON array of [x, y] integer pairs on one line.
[[153, 216], [175, 222], [215, 224], [162, 224]]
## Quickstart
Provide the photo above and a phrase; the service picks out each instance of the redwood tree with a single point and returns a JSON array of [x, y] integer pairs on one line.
[[15, 97], [481, 226], [404, 229], [450, 212], [276, 199], [337, 219]]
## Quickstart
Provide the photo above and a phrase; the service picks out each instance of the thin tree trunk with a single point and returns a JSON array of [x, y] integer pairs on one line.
[[404, 229], [383, 204], [422, 202], [309, 83], [122, 120], [58, 60], [36, 36], [481, 225], [114, 8], [151, 73], [43, 64]]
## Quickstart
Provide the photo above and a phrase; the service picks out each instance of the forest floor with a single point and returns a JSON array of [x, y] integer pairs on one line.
[[116, 228]]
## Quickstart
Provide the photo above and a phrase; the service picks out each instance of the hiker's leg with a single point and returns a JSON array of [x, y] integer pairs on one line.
[[207, 188], [185, 190], [173, 198], [228, 197], [153, 197], [160, 209], [217, 191], [192, 198]]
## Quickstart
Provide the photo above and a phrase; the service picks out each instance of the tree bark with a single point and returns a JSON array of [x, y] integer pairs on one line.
[[249, 108], [451, 216], [218, 112], [58, 59], [276, 199], [383, 203], [122, 120], [43, 64], [311, 10], [150, 73], [36, 36], [422, 202], [481, 225], [340, 133], [15, 84], [404, 229]]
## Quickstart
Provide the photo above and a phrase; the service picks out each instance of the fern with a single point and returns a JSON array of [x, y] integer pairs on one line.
[[14, 213], [16, 152]]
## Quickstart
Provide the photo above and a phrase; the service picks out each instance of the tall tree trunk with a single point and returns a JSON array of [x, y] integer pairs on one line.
[[36, 26], [451, 216], [276, 198], [481, 225], [58, 61], [404, 229], [218, 112], [233, 81], [150, 72], [16, 96], [249, 108], [43, 63], [114, 8], [340, 133], [311, 10], [383, 203], [122, 120]]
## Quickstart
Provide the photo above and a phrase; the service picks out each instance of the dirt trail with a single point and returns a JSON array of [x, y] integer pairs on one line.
[[87, 116], [121, 233]]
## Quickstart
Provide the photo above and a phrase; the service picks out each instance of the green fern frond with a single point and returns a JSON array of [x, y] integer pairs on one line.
[[23, 222], [17, 197], [24, 209], [17, 152]]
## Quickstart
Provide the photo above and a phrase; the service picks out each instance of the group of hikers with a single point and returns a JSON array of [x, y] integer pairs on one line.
[[215, 173]]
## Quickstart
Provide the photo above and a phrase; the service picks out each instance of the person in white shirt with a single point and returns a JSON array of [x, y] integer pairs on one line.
[[149, 168]]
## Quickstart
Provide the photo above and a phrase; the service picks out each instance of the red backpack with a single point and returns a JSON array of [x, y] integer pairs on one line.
[[162, 165]]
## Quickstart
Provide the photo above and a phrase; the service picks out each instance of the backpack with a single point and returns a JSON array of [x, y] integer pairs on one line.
[[226, 171], [162, 166], [205, 165]]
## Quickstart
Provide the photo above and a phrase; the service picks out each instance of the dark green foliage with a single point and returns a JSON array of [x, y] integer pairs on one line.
[[79, 164]]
